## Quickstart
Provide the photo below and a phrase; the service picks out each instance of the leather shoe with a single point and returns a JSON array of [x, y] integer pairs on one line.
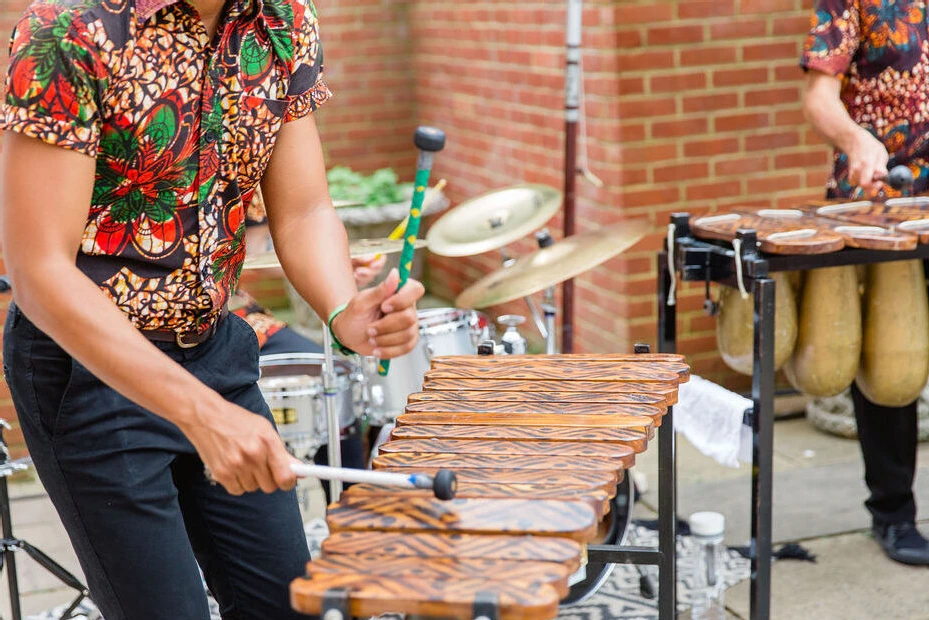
[[902, 542]]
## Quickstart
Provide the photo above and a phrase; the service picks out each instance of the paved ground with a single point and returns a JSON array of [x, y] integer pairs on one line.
[[818, 495]]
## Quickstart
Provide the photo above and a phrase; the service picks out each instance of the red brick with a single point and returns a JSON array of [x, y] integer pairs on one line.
[[739, 29], [742, 122], [649, 197], [652, 153], [709, 103], [769, 6], [679, 129], [702, 9], [771, 141], [651, 107], [713, 146], [767, 51], [791, 117], [680, 172], [709, 56], [647, 60], [802, 159], [772, 96], [779, 183], [675, 35], [644, 13], [629, 38], [796, 25], [711, 191], [677, 83], [741, 165], [631, 86], [738, 77]]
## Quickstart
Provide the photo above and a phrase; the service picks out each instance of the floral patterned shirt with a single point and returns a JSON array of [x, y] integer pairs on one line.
[[181, 127], [880, 50]]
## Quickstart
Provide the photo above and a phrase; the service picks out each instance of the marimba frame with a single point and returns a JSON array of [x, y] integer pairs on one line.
[[697, 260]]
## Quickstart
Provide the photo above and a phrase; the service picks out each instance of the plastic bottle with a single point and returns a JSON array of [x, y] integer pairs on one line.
[[708, 602]]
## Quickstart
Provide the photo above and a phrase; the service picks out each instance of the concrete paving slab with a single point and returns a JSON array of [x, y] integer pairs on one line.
[[849, 581]]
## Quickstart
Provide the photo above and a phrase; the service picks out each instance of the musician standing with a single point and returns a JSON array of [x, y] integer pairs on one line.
[[136, 133], [867, 64]]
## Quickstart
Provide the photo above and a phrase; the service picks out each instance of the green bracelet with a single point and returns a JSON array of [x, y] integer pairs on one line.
[[338, 346]]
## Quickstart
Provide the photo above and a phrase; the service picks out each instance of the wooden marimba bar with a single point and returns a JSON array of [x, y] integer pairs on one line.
[[538, 444]]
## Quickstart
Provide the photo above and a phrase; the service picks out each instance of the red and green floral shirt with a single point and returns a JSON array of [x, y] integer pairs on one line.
[[880, 50], [181, 128]]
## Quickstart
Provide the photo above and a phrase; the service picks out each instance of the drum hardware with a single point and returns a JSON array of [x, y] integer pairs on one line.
[[10, 545], [334, 449], [513, 342]]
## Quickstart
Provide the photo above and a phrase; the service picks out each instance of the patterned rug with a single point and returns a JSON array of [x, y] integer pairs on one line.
[[618, 598]]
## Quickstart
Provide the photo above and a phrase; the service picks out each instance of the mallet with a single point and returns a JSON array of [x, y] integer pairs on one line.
[[429, 141], [444, 484], [899, 177]]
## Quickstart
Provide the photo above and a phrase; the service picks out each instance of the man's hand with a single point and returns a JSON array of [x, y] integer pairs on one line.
[[381, 321], [867, 159], [366, 268], [240, 450]]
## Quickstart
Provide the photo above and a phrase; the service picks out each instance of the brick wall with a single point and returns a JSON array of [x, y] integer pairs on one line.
[[693, 105]]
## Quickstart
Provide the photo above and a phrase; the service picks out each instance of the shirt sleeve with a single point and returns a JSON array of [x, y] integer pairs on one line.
[[833, 39], [307, 90], [54, 81]]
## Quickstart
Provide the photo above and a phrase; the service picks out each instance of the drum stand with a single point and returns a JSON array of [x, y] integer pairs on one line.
[[10, 545], [330, 393]]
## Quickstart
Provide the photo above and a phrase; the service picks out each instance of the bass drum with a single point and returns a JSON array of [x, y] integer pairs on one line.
[[614, 531]]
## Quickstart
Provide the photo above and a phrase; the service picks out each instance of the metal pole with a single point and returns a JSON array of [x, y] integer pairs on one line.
[[575, 10], [548, 307], [762, 448], [9, 555], [330, 393], [667, 459]]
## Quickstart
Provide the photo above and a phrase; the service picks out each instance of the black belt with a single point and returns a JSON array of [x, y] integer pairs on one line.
[[186, 340]]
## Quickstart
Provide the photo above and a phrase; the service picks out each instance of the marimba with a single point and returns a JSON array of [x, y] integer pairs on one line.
[[745, 249], [538, 444]]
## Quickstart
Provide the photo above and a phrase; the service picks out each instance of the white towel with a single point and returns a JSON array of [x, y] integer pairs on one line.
[[710, 417]]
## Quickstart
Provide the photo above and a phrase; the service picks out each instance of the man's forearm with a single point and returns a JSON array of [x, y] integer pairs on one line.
[[312, 245], [66, 305], [830, 118]]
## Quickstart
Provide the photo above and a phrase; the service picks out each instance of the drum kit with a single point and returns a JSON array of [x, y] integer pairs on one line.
[[293, 384]]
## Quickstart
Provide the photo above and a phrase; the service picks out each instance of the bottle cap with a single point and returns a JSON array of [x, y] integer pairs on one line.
[[707, 524]]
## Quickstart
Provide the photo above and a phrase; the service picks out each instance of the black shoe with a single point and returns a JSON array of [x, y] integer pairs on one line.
[[903, 543]]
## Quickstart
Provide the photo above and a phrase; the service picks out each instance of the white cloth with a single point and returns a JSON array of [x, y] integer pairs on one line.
[[710, 417]]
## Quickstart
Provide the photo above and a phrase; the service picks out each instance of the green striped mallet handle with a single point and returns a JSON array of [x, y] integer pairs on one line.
[[429, 141]]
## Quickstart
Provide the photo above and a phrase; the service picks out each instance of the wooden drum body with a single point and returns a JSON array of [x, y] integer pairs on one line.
[[539, 479]]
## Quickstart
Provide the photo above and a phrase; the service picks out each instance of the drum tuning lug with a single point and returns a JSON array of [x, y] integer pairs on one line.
[[486, 348], [513, 342]]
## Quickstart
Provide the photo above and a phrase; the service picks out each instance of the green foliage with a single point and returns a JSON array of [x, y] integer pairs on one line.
[[380, 188]]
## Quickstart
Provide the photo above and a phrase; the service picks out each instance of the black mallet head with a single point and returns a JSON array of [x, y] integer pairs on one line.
[[445, 484], [429, 139], [900, 177]]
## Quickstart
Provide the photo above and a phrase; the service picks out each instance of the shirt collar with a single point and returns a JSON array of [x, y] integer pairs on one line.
[[146, 8]]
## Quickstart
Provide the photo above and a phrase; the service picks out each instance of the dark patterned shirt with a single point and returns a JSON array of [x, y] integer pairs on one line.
[[880, 50], [181, 128]]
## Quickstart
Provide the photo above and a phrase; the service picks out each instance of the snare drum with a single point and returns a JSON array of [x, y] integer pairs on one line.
[[292, 385], [442, 331]]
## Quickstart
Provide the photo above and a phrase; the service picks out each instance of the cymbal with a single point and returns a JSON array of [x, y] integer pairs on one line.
[[547, 267], [493, 220], [356, 248]]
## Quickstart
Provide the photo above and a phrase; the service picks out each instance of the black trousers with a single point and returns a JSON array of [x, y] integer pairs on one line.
[[131, 491], [888, 438]]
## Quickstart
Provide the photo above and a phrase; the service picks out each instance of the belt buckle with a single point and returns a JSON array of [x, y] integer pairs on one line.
[[179, 340]]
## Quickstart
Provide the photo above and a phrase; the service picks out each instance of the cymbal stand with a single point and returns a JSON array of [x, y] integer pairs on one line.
[[330, 393], [10, 545], [533, 308], [544, 239]]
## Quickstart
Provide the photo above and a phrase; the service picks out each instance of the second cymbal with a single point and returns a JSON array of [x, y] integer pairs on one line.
[[546, 267], [356, 248]]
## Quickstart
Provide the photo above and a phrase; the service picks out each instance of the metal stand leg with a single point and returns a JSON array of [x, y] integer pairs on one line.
[[762, 449], [6, 520], [667, 459], [330, 393]]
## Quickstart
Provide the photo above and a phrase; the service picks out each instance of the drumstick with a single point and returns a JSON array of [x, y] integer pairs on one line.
[[429, 141], [444, 484], [401, 227]]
